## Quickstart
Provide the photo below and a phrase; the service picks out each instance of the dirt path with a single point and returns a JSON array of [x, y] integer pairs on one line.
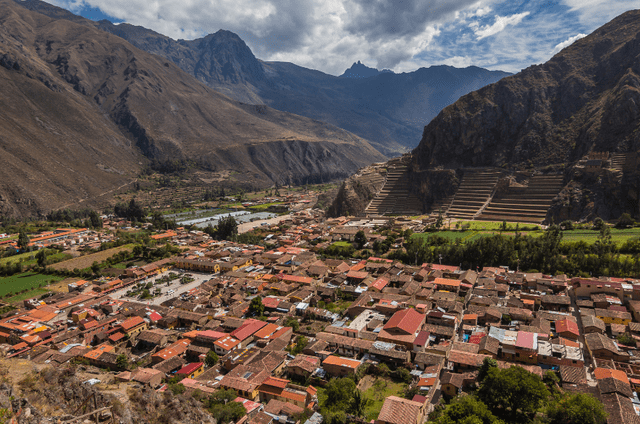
[[248, 226]]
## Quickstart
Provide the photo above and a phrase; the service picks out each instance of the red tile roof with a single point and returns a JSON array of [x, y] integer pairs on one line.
[[276, 382], [247, 329], [408, 320], [131, 323], [567, 325], [188, 369]]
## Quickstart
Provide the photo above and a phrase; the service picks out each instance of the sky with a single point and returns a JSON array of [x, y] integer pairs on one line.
[[401, 35]]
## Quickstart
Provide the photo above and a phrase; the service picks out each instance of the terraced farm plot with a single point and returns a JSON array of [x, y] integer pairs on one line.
[[86, 261], [26, 280]]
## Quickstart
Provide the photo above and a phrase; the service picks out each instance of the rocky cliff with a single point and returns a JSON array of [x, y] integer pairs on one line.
[[585, 99]]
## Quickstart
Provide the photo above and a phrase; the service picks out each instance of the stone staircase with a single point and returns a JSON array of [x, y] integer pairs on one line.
[[524, 204], [475, 191], [395, 198], [618, 161]]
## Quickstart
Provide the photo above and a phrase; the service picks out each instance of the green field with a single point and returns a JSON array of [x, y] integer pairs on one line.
[[380, 390], [485, 229], [26, 280], [342, 244]]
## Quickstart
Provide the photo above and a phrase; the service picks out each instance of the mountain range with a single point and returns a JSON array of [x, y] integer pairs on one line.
[[387, 109], [83, 111]]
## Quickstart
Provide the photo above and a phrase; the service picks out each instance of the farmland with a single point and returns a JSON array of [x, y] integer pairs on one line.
[[25, 281], [588, 236], [86, 261]]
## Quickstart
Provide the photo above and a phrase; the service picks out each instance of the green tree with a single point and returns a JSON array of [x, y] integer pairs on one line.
[[487, 364], [256, 308], [604, 244], [95, 220], [514, 394], [95, 267], [41, 256], [360, 239], [577, 408], [227, 228], [359, 403], [122, 361], [301, 343], [293, 323], [598, 223], [625, 221], [339, 393], [626, 339], [466, 410], [211, 359], [23, 240]]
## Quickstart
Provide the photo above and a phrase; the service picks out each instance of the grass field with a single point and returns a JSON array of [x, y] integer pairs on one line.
[[588, 236], [378, 392], [86, 261], [17, 258], [342, 244], [26, 280]]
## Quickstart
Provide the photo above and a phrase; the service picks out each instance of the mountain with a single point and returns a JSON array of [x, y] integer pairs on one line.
[[360, 105], [83, 111], [359, 70], [584, 100]]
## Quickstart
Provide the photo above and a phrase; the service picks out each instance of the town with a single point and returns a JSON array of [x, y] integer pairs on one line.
[[279, 325]]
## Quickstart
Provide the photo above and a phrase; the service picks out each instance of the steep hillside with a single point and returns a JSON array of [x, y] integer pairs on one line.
[[84, 110], [389, 110], [584, 99]]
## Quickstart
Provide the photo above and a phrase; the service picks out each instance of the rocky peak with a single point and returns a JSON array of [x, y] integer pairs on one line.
[[360, 70]]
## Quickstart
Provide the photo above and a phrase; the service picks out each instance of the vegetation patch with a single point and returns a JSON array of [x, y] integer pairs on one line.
[[18, 283]]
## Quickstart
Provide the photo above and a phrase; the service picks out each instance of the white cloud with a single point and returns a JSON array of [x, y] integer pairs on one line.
[[500, 24], [567, 43], [596, 12]]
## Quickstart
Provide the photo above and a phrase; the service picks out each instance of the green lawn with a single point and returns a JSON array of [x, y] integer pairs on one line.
[[381, 389], [588, 236], [17, 258], [26, 280], [342, 244]]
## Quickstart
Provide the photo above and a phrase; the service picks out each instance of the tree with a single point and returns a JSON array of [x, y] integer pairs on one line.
[[567, 225], [359, 403], [512, 393], [466, 410], [256, 308], [576, 408], [625, 221], [95, 267], [301, 343], [211, 359], [293, 323], [41, 256], [227, 228], [402, 374], [122, 361], [339, 393], [487, 364], [604, 244], [360, 239], [626, 339], [23, 240], [598, 223], [95, 220]]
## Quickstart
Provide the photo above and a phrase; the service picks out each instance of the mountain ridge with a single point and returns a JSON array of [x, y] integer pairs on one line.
[[292, 88], [84, 111]]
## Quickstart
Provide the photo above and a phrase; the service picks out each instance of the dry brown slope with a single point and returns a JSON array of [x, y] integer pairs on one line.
[[80, 105]]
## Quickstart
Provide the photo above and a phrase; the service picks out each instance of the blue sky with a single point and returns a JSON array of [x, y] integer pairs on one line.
[[402, 35]]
